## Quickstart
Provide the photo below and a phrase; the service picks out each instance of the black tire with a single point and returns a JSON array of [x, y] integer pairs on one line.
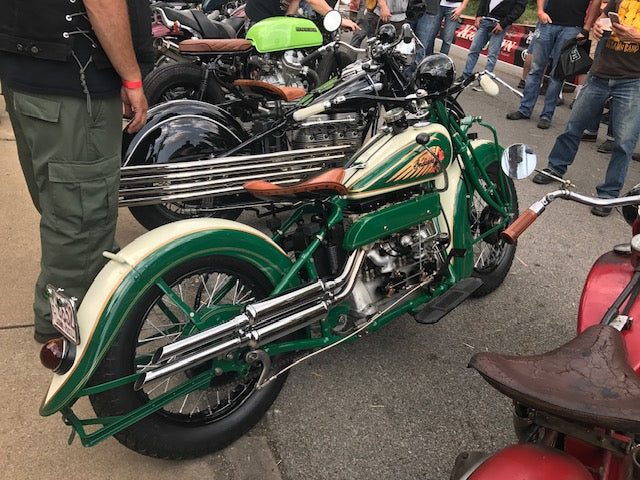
[[492, 256], [332, 64], [180, 80], [192, 425], [154, 216]]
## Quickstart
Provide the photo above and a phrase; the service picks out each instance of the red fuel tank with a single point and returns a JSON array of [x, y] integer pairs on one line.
[[606, 280], [531, 462]]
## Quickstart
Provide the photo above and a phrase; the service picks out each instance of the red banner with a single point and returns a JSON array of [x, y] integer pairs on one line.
[[513, 47]]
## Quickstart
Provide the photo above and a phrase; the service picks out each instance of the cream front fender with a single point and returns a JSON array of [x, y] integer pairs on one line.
[[129, 274]]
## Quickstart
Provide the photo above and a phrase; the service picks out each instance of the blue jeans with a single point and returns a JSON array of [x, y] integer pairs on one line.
[[547, 46], [427, 29], [625, 123], [483, 33]]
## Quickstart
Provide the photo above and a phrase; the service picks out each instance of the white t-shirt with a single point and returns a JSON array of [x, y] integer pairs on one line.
[[398, 9]]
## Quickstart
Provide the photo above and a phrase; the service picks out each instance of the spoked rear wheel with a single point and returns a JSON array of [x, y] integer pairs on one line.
[[203, 420], [492, 256]]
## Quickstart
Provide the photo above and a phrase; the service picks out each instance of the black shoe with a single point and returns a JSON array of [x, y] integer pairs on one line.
[[544, 124], [606, 146], [460, 79], [589, 137], [521, 84], [601, 211], [542, 179], [45, 337], [517, 115]]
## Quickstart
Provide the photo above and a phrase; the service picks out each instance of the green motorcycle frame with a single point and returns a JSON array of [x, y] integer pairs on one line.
[[187, 333]]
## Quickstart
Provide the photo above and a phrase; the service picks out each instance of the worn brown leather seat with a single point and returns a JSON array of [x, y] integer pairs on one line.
[[324, 185], [272, 92], [200, 46], [587, 380]]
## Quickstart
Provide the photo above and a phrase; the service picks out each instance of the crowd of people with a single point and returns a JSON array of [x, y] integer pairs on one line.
[[66, 83]]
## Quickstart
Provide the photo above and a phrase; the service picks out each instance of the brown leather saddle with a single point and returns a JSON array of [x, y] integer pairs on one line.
[[326, 184], [587, 380], [203, 46]]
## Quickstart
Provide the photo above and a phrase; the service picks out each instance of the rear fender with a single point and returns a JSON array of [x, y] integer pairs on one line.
[[127, 277], [182, 130]]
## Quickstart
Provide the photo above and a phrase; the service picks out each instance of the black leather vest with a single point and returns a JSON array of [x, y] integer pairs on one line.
[[49, 29]]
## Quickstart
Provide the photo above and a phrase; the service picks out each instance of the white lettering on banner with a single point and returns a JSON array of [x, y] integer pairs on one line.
[[508, 45], [467, 32]]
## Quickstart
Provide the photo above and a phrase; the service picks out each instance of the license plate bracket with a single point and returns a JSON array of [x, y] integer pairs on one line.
[[63, 314]]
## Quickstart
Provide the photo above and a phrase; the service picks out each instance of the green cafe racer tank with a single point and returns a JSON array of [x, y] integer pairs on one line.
[[284, 33]]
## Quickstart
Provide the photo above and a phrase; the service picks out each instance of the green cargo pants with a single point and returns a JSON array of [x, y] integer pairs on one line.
[[71, 163]]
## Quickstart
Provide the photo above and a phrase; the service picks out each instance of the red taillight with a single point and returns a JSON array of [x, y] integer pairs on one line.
[[636, 227], [54, 355]]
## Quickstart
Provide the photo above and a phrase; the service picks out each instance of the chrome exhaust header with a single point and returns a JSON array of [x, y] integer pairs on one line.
[[250, 328], [160, 183]]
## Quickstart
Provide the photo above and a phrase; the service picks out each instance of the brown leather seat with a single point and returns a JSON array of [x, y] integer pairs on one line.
[[272, 92], [324, 185], [217, 45], [587, 380]]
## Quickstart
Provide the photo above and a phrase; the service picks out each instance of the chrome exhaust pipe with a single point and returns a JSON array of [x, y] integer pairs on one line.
[[252, 314], [211, 177], [255, 336], [258, 312]]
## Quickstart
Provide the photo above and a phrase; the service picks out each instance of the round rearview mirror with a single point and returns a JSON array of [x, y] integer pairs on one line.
[[332, 21], [518, 161]]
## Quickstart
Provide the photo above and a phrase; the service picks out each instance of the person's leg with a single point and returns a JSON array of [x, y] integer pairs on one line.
[[540, 57], [495, 42], [479, 40], [76, 163], [528, 57], [368, 24], [427, 29], [449, 29], [560, 36], [625, 124], [590, 102]]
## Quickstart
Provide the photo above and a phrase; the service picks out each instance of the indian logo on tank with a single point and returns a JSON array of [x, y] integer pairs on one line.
[[429, 161]]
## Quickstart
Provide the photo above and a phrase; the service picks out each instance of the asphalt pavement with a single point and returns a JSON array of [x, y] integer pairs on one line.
[[398, 404]]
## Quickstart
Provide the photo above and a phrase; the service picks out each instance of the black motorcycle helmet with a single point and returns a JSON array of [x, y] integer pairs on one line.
[[387, 33], [436, 73]]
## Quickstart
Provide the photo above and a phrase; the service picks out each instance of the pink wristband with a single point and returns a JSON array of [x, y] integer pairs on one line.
[[132, 85]]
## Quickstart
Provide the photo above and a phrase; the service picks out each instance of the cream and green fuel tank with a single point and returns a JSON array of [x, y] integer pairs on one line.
[[396, 161]]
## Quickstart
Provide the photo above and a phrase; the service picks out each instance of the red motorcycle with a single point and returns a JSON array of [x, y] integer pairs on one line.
[[576, 408]]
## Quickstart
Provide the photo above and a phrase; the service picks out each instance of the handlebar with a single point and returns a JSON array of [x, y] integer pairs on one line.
[[309, 59], [513, 231]]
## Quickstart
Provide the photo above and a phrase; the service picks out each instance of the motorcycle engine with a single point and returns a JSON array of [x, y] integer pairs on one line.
[[396, 265], [281, 70], [329, 129]]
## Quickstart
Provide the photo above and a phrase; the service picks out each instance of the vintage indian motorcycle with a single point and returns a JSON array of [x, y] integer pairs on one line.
[[192, 158], [577, 408], [185, 338]]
